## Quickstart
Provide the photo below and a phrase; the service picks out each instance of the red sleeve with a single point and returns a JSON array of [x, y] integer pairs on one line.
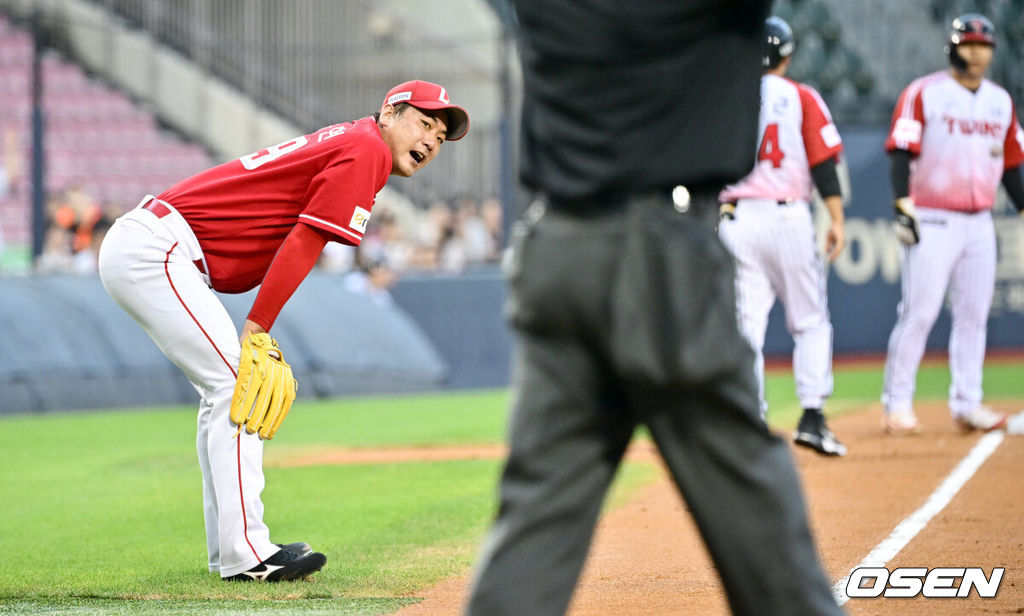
[[340, 198], [292, 263], [907, 125], [1013, 148], [821, 138]]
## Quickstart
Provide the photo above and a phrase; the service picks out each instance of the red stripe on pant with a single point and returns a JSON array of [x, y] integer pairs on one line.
[[238, 440]]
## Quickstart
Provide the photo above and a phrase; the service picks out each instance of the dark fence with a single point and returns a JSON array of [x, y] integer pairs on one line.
[[69, 346]]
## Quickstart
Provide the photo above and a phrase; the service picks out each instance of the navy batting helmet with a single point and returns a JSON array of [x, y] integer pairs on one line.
[[779, 43], [968, 28]]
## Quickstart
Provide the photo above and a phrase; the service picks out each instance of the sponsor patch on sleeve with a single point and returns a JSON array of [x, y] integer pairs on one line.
[[830, 135], [359, 219], [907, 129]]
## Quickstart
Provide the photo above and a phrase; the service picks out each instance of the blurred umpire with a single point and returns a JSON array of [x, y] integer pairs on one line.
[[635, 115]]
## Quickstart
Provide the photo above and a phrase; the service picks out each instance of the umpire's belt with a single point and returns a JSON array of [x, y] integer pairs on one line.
[[616, 201]]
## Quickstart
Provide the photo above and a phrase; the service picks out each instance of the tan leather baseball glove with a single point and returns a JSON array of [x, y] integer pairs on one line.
[[265, 388]]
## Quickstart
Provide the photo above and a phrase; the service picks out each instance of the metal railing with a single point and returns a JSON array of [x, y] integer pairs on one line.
[[318, 62]]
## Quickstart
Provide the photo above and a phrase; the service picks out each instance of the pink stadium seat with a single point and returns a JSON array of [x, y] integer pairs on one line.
[[15, 79], [95, 136], [16, 49]]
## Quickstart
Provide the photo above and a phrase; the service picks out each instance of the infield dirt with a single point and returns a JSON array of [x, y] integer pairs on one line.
[[648, 559]]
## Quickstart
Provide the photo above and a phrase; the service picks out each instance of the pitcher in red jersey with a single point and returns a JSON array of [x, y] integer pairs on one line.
[[262, 219]]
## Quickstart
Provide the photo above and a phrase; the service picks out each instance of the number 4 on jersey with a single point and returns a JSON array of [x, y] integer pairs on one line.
[[769, 149]]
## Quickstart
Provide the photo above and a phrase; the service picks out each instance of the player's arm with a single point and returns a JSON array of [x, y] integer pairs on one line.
[[1013, 161], [905, 215], [902, 144], [823, 146], [292, 263], [1013, 182], [899, 172], [826, 179]]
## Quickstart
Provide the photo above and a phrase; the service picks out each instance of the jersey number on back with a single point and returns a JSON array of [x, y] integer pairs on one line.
[[258, 159], [769, 149]]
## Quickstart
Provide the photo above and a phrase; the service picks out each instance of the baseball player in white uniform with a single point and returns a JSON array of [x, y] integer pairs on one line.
[[954, 138], [259, 220], [766, 223]]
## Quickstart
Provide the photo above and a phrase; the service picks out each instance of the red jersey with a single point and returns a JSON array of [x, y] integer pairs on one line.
[[962, 141], [242, 210]]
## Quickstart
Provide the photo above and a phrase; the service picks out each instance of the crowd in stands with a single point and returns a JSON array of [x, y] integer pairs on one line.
[[441, 239], [400, 239], [94, 137], [103, 152], [75, 226]]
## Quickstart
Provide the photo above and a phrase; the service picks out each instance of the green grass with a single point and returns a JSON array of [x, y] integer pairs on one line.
[[106, 507], [858, 387]]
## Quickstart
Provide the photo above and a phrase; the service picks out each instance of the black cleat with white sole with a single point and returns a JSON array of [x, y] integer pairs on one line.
[[283, 566], [814, 434]]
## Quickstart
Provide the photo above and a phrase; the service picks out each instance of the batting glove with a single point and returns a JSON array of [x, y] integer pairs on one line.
[[905, 222], [727, 211]]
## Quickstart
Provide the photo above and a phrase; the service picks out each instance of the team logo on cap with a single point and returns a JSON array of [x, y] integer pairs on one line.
[[443, 97], [397, 98]]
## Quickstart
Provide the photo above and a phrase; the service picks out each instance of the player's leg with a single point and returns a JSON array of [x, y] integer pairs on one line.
[[755, 296], [926, 270], [210, 512], [568, 427], [971, 288], [799, 279], [146, 273]]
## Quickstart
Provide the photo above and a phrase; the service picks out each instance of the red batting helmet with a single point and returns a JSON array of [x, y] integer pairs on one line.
[[968, 28], [972, 28]]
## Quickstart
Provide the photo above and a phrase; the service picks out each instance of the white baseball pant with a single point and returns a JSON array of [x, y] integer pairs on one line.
[[777, 258], [150, 264], [957, 250]]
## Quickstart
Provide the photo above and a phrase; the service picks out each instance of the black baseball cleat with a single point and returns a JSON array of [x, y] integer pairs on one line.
[[282, 566], [813, 433], [299, 548]]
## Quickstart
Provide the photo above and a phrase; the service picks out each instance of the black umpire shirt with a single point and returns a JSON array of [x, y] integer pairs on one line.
[[676, 101]]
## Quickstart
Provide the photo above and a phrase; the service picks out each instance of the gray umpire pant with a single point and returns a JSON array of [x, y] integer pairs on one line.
[[623, 318]]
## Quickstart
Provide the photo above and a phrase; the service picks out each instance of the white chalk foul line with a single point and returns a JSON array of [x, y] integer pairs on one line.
[[908, 528]]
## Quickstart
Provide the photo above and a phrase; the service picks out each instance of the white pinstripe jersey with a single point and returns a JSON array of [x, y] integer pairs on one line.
[[962, 141], [796, 133]]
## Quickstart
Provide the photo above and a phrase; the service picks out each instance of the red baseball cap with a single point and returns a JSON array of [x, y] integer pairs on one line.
[[426, 95]]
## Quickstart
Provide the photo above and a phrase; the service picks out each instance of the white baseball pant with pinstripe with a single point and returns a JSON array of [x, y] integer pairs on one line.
[[777, 258], [148, 264], [957, 252]]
